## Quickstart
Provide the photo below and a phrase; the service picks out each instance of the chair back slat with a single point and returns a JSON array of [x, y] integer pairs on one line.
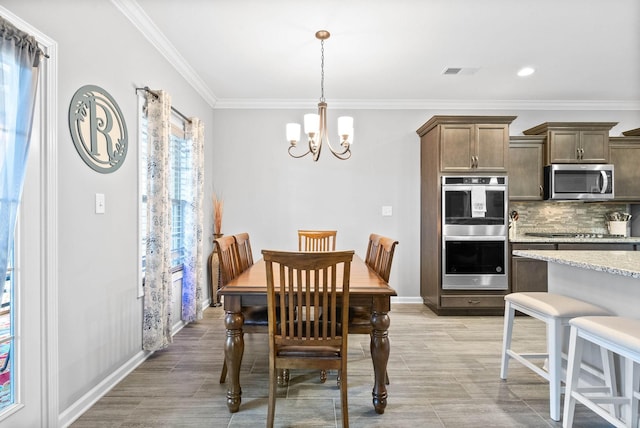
[[317, 240], [245, 256]]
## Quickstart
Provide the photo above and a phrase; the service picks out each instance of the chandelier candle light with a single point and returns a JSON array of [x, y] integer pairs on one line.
[[315, 125]]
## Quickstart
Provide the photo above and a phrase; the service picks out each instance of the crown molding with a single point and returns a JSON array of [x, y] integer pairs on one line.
[[399, 104], [132, 10]]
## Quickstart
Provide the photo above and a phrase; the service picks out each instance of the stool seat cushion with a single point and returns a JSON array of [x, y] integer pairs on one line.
[[624, 332], [555, 305]]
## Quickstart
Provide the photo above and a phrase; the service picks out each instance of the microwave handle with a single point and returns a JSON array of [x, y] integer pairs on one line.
[[605, 181]]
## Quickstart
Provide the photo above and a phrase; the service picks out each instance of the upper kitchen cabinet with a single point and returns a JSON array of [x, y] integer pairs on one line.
[[624, 154], [574, 142], [470, 143], [526, 168]]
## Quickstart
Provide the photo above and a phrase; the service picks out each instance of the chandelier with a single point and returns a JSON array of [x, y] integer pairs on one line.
[[315, 125]]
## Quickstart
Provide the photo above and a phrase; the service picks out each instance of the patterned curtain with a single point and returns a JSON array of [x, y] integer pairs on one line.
[[192, 275], [156, 332], [19, 60]]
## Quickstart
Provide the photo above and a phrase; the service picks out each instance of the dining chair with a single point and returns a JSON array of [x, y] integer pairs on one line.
[[255, 317], [308, 284], [245, 256], [317, 240]]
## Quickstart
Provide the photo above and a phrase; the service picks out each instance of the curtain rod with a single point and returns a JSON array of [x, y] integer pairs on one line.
[[173, 109]]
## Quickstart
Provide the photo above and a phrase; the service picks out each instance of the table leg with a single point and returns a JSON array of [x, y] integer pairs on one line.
[[233, 350], [380, 355]]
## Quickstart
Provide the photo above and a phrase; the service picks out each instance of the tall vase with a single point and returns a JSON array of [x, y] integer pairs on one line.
[[215, 279]]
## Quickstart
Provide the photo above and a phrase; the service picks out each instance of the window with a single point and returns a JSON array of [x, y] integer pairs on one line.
[[180, 190]]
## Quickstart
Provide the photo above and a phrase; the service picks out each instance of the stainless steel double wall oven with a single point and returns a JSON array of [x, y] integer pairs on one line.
[[474, 232]]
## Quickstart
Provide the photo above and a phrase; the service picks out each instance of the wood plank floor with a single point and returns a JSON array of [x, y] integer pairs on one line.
[[444, 372]]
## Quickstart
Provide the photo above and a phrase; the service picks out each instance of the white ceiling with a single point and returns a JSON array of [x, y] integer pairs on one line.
[[392, 54]]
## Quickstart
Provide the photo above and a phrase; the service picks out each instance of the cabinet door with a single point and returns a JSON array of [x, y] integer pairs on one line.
[[528, 274], [626, 158], [492, 147], [457, 148], [594, 146], [563, 146], [525, 171]]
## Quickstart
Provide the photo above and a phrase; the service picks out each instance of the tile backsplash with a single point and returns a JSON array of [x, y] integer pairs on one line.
[[564, 216]]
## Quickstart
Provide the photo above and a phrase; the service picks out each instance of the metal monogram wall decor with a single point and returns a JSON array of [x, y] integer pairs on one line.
[[98, 129]]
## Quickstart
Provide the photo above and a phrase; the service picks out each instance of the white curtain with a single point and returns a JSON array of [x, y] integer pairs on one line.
[[157, 321], [192, 275], [19, 60]]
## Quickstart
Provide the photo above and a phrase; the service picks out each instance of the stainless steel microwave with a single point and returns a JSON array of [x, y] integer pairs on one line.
[[578, 182]]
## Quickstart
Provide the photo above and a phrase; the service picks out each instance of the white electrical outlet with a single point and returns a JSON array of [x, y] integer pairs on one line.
[[387, 211], [100, 203]]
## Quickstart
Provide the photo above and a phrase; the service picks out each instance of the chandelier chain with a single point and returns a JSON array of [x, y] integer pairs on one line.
[[322, 71]]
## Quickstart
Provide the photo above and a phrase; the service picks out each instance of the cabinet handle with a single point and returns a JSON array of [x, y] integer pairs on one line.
[[473, 302], [541, 190]]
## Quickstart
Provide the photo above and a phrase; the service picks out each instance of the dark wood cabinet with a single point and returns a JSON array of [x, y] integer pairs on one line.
[[624, 154], [455, 145], [529, 274], [471, 143], [574, 142], [526, 168]]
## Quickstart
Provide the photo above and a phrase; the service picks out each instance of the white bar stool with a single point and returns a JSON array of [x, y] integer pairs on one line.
[[555, 311], [615, 334]]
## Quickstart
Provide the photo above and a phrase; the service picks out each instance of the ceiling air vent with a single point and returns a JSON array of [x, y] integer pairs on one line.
[[452, 70], [460, 70]]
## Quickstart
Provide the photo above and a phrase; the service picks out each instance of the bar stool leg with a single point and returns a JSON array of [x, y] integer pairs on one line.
[[630, 412], [635, 397], [554, 349], [574, 360], [509, 314], [608, 370]]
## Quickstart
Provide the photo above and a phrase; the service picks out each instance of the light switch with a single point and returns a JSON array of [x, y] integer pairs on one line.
[[387, 211], [99, 203]]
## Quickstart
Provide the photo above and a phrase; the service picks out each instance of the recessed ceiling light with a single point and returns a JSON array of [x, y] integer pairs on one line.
[[526, 71]]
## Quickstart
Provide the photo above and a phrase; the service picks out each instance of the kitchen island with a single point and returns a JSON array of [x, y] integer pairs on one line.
[[610, 279]]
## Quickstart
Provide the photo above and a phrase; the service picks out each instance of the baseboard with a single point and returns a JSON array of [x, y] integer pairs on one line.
[[73, 412], [396, 299]]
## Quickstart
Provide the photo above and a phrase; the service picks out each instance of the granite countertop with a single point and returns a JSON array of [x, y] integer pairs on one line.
[[624, 263]]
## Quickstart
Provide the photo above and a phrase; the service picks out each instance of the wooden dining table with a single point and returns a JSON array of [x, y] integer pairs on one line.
[[368, 293]]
